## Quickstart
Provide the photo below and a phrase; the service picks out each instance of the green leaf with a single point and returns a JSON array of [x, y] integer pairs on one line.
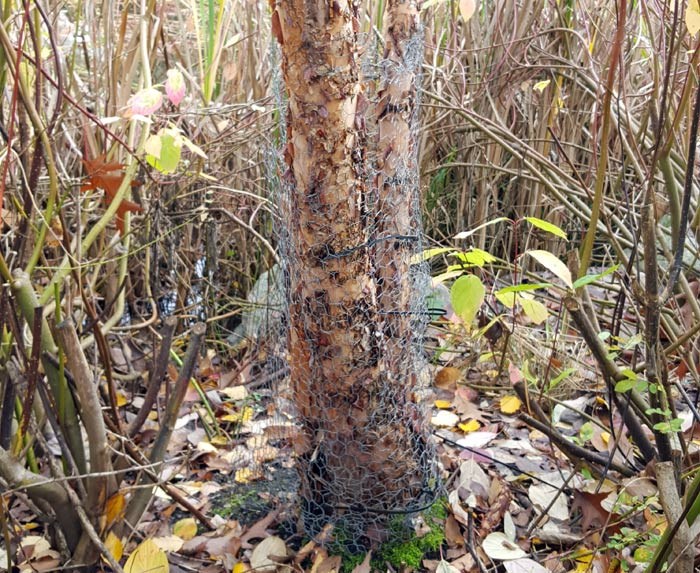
[[507, 299], [663, 427], [586, 432], [629, 383], [633, 341], [476, 257], [546, 226], [534, 310], [561, 377], [629, 373], [429, 254], [643, 554], [163, 151], [552, 264], [467, 295], [659, 411], [588, 279], [625, 385]]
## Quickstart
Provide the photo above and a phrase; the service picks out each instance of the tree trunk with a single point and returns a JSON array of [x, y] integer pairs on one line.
[[362, 452]]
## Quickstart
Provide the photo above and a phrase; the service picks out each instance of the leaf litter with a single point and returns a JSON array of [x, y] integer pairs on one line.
[[514, 501]]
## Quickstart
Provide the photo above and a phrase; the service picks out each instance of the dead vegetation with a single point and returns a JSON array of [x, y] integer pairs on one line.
[[577, 114]]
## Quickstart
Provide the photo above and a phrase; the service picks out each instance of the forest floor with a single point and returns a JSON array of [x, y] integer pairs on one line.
[[512, 501]]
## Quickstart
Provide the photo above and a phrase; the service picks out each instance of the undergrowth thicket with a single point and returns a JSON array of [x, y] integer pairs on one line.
[[115, 215]]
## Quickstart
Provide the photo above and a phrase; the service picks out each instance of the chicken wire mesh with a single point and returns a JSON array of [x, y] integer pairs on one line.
[[354, 312]]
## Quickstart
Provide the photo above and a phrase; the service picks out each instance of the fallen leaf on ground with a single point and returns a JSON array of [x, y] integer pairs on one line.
[[263, 557], [510, 404], [185, 529], [445, 567], [470, 426], [524, 565], [169, 543], [365, 566], [444, 419], [147, 558], [498, 546]]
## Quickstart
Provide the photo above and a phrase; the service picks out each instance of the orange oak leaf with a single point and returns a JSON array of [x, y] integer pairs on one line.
[[108, 177]]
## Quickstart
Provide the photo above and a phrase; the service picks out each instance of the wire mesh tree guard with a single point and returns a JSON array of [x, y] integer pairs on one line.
[[355, 295]]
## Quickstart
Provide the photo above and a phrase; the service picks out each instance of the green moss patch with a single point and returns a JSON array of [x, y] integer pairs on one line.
[[403, 549]]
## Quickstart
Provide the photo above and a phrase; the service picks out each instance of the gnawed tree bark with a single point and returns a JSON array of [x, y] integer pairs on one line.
[[362, 452], [397, 211]]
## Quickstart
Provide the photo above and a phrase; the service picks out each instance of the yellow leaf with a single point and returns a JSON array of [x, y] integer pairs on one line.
[[605, 436], [114, 546], [510, 404], [147, 558], [219, 440], [583, 559], [533, 309], [245, 415], [121, 399], [507, 299], [540, 86], [244, 475], [443, 404], [467, 9], [114, 509], [470, 426], [185, 528], [553, 265], [239, 568], [692, 17]]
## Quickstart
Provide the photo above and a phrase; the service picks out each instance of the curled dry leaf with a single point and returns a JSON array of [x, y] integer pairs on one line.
[[498, 546], [264, 555], [444, 419], [107, 176], [169, 543], [447, 377], [365, 566], [545, 496], [445, 567]]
